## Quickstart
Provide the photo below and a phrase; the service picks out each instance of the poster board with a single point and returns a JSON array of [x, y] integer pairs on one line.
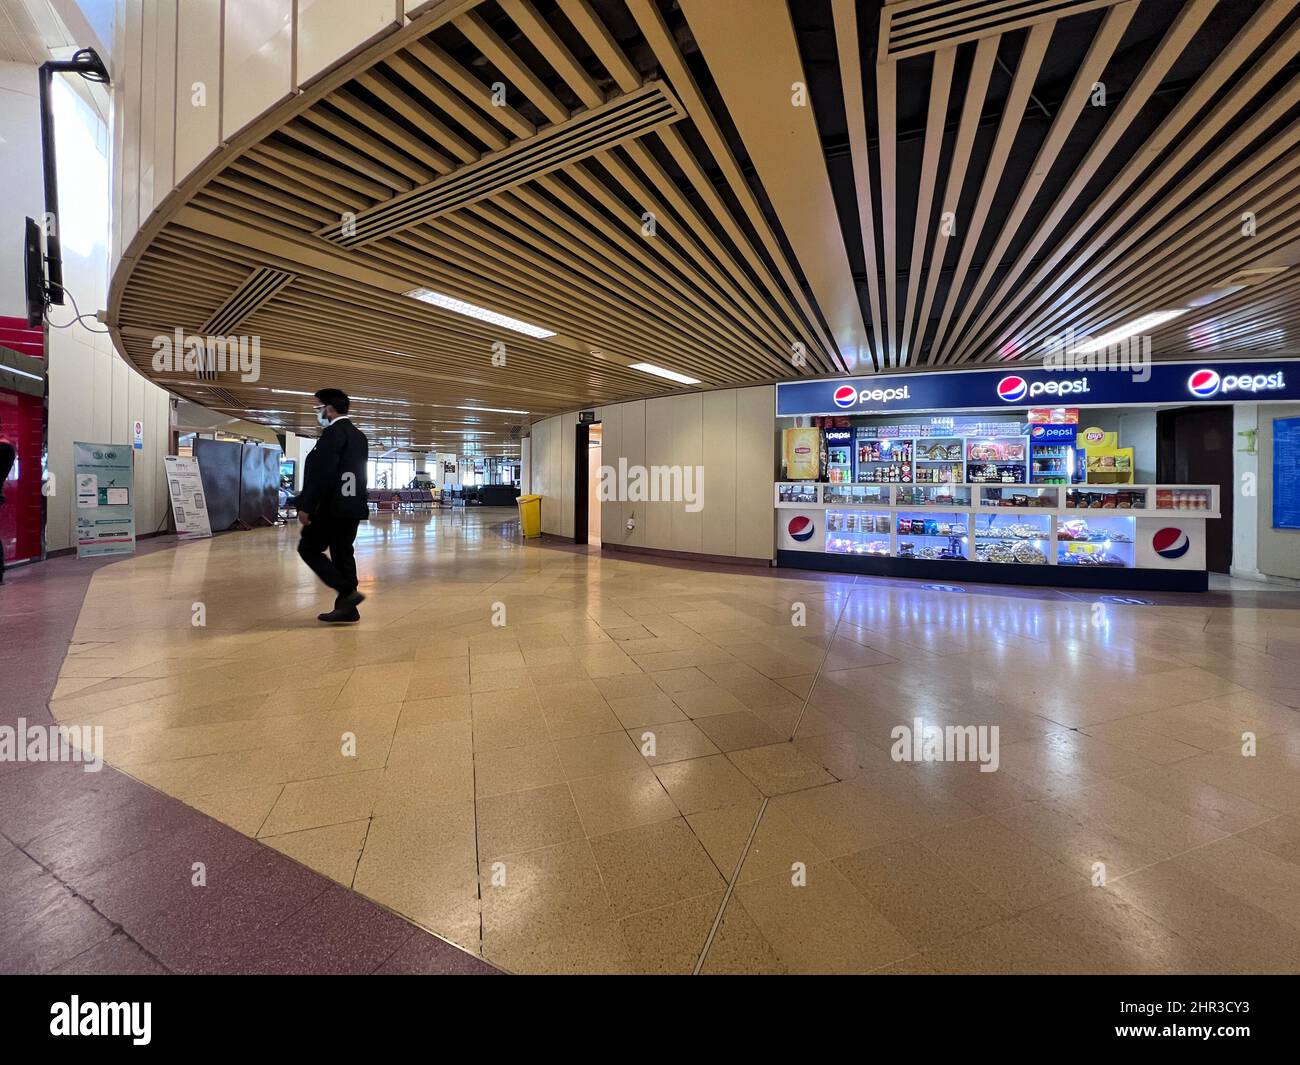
[[104, 475], [1286, 473], [189, 504]]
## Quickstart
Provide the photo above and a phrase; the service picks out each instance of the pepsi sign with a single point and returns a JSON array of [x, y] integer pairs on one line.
[[998, 389], [1170, 542], [801, 528], [1053, 434]]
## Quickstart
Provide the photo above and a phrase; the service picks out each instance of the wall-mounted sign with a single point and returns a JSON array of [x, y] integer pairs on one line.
[[138, 430], [1286, 473], [1166, 382], [586, 417]]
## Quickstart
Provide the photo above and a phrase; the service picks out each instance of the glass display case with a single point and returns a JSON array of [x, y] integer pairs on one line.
[[933, 495], [804, 492], [857, 494], [882, 461], [1027, 497], [857, 532], [1096, 540], [940, 460], [1183, 499], [1025, 539], [995, 461], [933, 535], [1095, 497]]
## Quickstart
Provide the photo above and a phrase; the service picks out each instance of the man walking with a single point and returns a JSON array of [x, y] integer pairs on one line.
[[333, 502]]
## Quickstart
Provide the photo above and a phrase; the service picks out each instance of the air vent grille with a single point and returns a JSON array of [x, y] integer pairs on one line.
[[260, 286], [622, 119], [915, 27]]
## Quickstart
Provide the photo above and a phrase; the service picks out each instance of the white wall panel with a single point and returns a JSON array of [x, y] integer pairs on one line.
[[719, 437], [330, 29], [257, 62], [633, 430], [688, 453], [164, 100], [128, 91], [755, 470], [198, 83], [147, 103], [658, 452]]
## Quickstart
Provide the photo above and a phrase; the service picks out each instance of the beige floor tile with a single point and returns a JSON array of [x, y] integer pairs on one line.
[[824, 926], [707, 702], [524, 768], [734, 732], [739, 947], [706, 783], [1279, 836], [640, 711], [623, 799], [1006, 866], [243, 809], [499, 729], [779, 768], [919, 894], [838, 818], [604, 752], [654, 865], [668, 941], [326, 801], [673, 741], [544, 894], [332, 851], [526, 820]]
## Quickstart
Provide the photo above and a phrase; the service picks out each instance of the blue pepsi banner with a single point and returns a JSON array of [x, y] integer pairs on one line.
[[1160, 382], [1053, 434]]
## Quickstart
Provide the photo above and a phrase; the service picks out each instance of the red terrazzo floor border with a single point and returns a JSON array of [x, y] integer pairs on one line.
[[96, 869]]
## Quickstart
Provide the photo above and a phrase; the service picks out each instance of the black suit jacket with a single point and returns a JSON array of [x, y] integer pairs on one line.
[[334, 477], [7, 455]]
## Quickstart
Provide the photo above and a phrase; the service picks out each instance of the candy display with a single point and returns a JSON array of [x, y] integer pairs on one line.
[[1016, 530], [953, 549], [1076, 529], [1182, 499], [1067, 557], [908, 526], [1082, 499], [999, 497], [844, 546], [1022, 552], [995, 473]]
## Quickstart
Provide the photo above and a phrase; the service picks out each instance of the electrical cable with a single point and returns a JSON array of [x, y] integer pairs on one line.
[[78, 318]]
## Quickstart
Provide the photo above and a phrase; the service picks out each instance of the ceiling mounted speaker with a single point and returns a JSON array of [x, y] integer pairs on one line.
[[915, 27], [622, 119]]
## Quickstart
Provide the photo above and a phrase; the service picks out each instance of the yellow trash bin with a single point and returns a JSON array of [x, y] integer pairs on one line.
[[530, 515]]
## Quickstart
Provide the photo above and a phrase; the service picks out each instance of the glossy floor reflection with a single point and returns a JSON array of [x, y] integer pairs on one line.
[[576, 763]]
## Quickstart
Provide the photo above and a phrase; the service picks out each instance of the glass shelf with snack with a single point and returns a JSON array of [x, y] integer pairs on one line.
[[858, 495], [1199, 500], [1100, 540], [1027, 498], [856, 532], [801, 492], [933, 495], [1025, 540], [939, 460], [1096, 497], [996, 461], [941, 535], [883, 461]]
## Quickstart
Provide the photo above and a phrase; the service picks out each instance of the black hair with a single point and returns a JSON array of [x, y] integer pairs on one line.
[[336, 398]]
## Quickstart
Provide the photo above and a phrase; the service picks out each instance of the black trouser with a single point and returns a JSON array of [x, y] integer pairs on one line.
[[335, 535]]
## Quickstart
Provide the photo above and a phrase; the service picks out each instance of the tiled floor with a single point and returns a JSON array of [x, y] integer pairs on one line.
[[573, 763]]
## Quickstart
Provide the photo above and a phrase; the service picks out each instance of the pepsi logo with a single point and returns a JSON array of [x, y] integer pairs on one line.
[[1203, 383], [1037, 430], [1012, 389], [801, 528], [845, 396], [1170, 542]]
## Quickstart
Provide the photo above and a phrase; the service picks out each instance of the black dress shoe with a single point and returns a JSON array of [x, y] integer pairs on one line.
[[350, 601], [340, 617]]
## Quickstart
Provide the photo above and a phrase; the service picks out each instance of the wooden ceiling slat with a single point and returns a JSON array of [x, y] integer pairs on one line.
[[478, 33]]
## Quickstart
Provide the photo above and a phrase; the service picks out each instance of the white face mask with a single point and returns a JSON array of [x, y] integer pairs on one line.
[[322, 417]]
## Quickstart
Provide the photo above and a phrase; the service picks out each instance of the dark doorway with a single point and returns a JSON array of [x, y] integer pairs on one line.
[[1195, 447], [581, 442]]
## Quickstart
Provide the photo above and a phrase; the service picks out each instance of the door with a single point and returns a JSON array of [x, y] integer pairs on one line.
[[1195, 447]]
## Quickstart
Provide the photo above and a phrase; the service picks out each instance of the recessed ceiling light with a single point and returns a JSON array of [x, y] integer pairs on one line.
[[470, 310], [1137, 327], [659, 371]]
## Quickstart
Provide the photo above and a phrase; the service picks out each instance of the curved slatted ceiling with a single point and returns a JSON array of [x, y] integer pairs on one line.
[[649, 181]]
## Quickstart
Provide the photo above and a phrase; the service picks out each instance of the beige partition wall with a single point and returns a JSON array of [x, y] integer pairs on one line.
[[728, 435]]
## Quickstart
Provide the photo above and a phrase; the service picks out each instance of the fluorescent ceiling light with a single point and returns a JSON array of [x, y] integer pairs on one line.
[[21, 373], [494, 410], [1137, 327], [287, 392], [659, 371], [450, 303]]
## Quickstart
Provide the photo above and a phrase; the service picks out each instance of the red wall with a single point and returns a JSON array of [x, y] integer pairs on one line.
[[23, 418]]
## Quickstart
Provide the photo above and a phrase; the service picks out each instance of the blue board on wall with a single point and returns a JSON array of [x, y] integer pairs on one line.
[[1286, 473]]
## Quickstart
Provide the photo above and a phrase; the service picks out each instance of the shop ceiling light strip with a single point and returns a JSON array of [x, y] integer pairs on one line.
[[622, 119]]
